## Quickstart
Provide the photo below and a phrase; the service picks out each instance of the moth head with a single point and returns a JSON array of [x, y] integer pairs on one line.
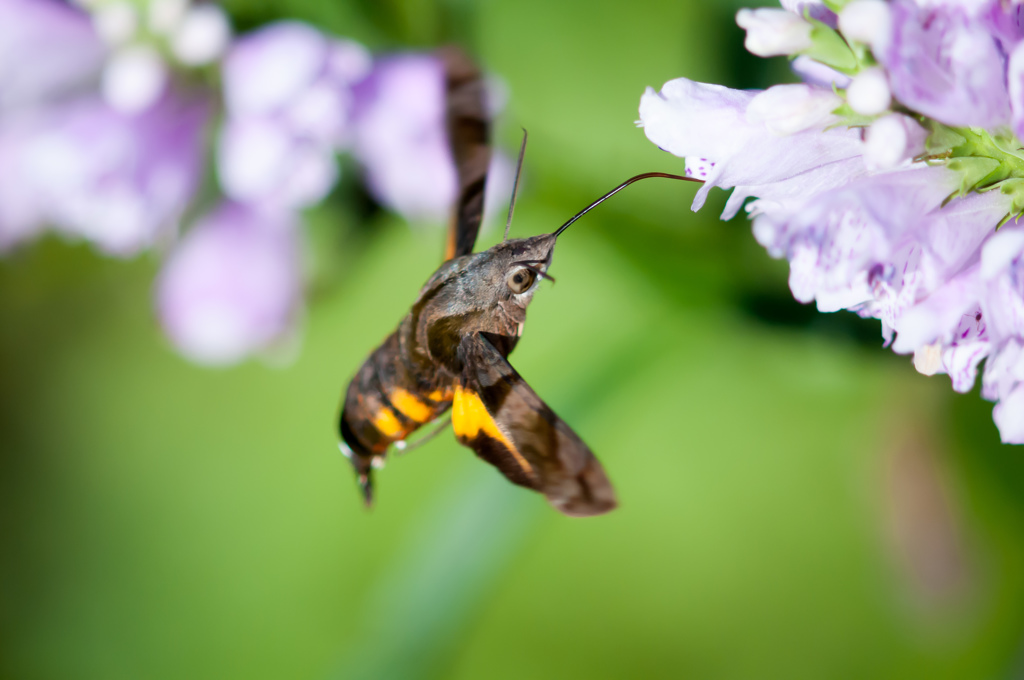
[[520, 266]]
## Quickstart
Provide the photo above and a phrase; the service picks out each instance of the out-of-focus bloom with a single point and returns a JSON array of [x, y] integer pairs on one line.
[[120, 181], [134, 79], [945, 65], [892, 140], [233, 286], [103, 140], [869, 93], [146, 43], [289, 94], [815, 73], [771, 32], [32, 70], [201, 36], [816, 9], [401, 140], [868, 22], [889, 214]]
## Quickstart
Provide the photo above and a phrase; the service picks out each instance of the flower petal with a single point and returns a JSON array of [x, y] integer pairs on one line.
[[31, 70], [946, 66], [265, 70], [1009, 417], [233, 286], [401, 138], [693, 119]]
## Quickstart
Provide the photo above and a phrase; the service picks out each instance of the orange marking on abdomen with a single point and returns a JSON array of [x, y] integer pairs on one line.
[[409, 406], [387, 424]]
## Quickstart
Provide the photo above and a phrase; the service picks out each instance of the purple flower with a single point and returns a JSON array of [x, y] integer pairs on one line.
[[118, 180], [233, 286], [31, 69], [729, 140], [288, 90], [401, 140], [841, 191], [893, 140], [946, 65], [772, 32], [815, 8], [815, 73], [1004, 381]]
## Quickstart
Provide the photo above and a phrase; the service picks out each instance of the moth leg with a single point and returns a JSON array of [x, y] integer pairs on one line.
[[403, 447]]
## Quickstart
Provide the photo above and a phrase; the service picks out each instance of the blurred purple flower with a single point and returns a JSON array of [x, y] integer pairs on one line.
[[233, 286], [117, 180], [815, 73], [401, 140], [946, 65], [866, 225], [815, 8], [32, 68], [288, 90]]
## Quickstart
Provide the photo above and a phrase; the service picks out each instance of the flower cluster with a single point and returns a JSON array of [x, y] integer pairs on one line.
[[891, 178], [108, 139]]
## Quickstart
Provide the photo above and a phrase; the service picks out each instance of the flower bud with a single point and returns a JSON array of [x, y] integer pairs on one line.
[[134, 79], [892, 140], [868, 22], [202, 36], [772, 32], [869, 93]]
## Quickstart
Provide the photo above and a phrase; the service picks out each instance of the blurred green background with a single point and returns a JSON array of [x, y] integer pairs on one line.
[[796, 501]]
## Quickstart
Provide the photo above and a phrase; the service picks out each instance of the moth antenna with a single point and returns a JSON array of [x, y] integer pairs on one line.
[[541, 274], [515, 185], [619, 188]]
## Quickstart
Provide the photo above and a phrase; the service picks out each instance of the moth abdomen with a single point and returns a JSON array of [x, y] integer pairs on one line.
[[385, 403]]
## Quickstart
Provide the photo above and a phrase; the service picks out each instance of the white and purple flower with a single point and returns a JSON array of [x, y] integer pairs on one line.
[[289, 95], [121, 181], [106, 139], [885, 177], [233, 286], [401, 140], [31, 71]]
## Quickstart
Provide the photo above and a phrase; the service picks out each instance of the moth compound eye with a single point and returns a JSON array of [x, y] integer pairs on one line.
[[519, 280]]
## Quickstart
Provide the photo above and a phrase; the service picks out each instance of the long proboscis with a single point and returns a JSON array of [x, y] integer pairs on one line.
[[646, 175]]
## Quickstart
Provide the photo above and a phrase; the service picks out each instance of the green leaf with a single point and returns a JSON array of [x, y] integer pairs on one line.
[[850, 118], [828, 47], [1014, 188], [942, 139], [972, 171]]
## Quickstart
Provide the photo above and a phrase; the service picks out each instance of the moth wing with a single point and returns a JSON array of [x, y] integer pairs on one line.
[[469, 138], [502, 419]]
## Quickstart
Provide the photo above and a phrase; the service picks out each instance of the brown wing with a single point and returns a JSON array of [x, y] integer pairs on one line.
[[469, 137], [502, 419]]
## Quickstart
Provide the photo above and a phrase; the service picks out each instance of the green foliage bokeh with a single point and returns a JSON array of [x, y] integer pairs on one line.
[[161, 520]]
